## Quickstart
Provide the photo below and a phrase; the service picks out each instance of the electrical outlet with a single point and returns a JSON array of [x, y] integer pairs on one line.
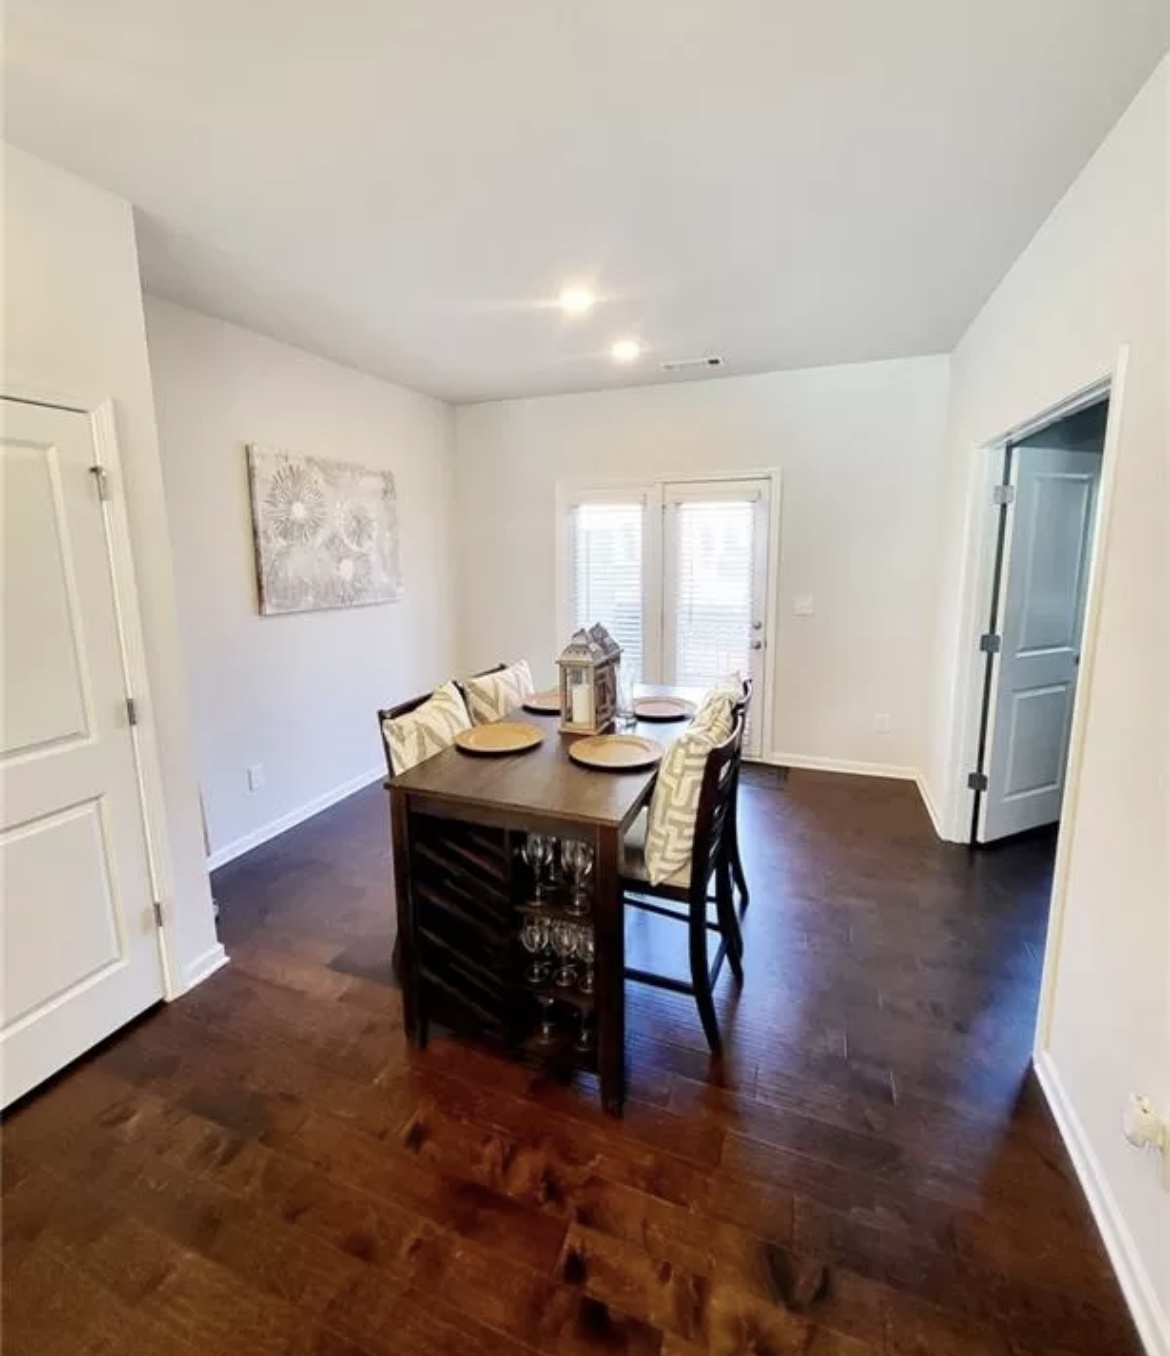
[[256, 778], [882, 722]]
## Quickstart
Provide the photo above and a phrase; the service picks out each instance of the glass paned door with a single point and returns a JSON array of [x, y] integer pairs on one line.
[[714, 586], [678, 573]]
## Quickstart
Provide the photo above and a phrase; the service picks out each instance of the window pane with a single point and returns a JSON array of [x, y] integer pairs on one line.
[[606, 566]]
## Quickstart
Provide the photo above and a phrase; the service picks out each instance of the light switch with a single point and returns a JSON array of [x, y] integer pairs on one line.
[[802, 605]]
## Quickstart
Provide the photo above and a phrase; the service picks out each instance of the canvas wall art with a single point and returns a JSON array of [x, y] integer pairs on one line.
[[326, 532]]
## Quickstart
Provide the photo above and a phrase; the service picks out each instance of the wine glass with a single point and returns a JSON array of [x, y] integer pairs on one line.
[[564, 940], [584, 1042], [546, 1032], [585, 948], [580, 863], [537, 852], [534, 940]]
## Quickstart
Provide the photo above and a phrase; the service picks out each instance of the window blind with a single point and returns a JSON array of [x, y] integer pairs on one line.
[[606, 561], [714, 602]]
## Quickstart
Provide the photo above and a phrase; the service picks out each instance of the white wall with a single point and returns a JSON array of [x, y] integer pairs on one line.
[[859, 449], [297, 694], [1094, 278], [73, 326]]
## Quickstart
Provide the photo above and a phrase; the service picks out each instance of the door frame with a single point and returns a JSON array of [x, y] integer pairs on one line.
[[566, 490], [979, 561], [132, 645]]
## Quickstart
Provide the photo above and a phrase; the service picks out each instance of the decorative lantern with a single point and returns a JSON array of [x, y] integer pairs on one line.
[[589, 671]]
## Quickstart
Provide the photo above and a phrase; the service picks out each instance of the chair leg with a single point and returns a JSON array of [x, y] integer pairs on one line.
[[737, 867], [701, 979], [728, 922]]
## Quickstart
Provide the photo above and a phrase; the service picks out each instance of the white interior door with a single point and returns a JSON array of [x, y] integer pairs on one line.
[[715, 586], [79, 939], [1045, 578]]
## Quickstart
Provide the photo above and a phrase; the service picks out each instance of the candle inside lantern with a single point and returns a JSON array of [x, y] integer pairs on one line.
[[582, 704]]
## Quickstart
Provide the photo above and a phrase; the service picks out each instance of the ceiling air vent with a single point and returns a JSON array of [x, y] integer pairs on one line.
[[687, 364]]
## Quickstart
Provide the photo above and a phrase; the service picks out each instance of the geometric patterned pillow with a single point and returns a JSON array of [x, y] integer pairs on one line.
[[495, 694], [674, 806], [427, 730], [716, 712]]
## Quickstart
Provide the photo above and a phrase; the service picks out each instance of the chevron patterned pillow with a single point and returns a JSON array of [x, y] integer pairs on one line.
[[670, 830], [427, 730], [495, 694]]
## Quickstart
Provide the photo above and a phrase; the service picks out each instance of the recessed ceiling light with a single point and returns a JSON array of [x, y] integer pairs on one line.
[[576, 300], [626, 351]]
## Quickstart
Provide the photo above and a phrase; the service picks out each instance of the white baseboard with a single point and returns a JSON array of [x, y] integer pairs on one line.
[[221, 856], [1137, 1285], [931, 807], [196, 971], [902, 774]]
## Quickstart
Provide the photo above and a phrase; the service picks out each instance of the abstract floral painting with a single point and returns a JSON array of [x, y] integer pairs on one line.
[[326, 532]]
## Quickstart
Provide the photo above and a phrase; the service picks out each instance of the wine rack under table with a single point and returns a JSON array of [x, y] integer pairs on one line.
[[472, 894]]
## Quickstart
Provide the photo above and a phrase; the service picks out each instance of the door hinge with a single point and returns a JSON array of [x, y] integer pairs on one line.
[[990, 643], [102, 480], [977, 781], [132, 710], [158, 913], [1003, 494]]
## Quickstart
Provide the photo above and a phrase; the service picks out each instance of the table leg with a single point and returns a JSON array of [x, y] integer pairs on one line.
[[413, 1017], [611, 973]]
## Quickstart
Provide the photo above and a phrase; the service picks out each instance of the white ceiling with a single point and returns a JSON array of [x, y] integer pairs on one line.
[[406, 187]]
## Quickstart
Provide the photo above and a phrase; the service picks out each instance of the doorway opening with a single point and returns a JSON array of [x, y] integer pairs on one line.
[[1047, 498]]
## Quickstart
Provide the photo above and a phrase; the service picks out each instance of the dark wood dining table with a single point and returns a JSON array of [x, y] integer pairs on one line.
[[459, 824]]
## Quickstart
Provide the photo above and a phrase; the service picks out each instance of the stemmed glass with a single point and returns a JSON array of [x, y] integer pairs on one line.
[[537, 852], [534, 937], [564, 940], [556, 863], [578, 857], [585, 949], [584, 1042], [546, 1032]]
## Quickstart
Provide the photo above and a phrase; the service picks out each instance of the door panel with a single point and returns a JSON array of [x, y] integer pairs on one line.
[[715, 578], [80, 948], [1045, 578], [1035, 744], [44, 964]]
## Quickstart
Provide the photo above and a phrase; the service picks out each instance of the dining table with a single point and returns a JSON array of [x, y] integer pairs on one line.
[[465, 886]]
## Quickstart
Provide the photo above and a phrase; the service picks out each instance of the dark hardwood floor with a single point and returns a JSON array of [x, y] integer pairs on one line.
[[261, 1167]]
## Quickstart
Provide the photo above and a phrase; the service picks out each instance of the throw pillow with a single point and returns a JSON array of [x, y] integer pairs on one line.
[[674, 806], [427, 730], [716, 712], [493, 695]]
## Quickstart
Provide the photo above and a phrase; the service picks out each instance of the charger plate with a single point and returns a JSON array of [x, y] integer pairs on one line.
[[500, 738], [663, 708], [615, 752], [543, 703]]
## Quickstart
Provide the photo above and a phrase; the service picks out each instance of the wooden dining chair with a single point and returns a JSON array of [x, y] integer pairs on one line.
[[733, 857], [689, 888]]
